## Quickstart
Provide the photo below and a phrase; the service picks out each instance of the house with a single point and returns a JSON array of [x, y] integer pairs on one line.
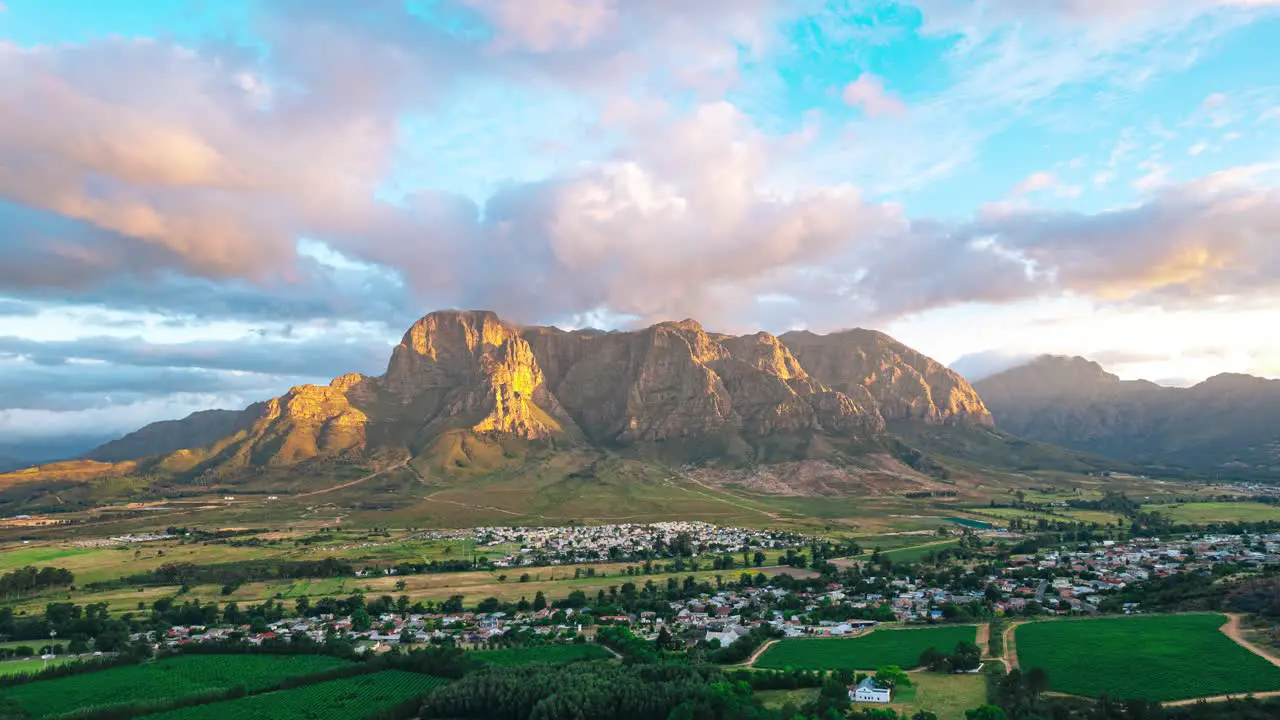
[[869, 691]]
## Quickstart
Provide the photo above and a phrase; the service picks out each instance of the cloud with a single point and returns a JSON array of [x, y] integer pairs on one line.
[[1035, 182], [867, 93], [981, 365], [320, 355]]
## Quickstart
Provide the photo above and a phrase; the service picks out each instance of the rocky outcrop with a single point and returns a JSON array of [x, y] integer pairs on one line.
[[1226, 425], [904, 384]]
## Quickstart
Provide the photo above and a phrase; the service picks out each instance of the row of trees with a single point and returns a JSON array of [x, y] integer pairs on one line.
[[29, 580]]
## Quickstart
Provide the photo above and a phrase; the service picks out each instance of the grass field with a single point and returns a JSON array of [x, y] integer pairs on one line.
[[882, 647], [354, 698], [914, 554], [1206, 512], [18, 667], [778, 698], [946, 696], [1171, 657], [160, 680], [551, 654]]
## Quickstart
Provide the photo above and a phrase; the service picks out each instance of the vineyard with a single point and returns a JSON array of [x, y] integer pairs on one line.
[[346, 699], [161, 680], [550, 654], [882, 647], [1149, 657]]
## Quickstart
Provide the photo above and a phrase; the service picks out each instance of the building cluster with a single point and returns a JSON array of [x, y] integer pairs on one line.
[[596, 543], [1061, 582]]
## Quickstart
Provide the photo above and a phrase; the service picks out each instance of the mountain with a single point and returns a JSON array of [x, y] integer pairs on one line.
[[905, 384], [159, 438], [463, 388], [1228, 425]]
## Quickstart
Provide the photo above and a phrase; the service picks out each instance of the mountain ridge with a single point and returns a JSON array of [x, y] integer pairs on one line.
[[471, 372], [1224, 425]]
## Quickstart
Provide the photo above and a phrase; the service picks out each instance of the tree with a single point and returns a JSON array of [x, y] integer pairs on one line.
[[360, 620], [966, 657], [893, 676], [985, 712], [539, 601], [665, 641]]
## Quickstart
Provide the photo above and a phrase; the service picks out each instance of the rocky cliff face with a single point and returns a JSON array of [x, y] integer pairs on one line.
[[471, 372], [675, 380], [905, 384], [1229, 424]]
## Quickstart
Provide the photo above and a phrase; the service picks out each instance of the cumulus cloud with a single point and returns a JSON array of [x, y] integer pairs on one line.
[[867, 93]]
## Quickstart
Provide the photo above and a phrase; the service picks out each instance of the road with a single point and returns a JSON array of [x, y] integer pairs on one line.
[[357, 481], [1232, 630]]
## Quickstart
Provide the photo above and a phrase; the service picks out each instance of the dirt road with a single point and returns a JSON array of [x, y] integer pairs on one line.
[[1222, 698], [984, 639], [1232, 630], [357, 481], [1010, 649]]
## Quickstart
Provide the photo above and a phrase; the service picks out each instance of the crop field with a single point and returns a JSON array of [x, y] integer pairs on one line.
[[1175, 656], [345, 699], [551, 654], [868, 652], [1206, 512], [161, 680]]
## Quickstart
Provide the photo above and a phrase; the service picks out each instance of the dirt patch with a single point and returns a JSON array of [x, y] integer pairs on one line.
[[793, 572]]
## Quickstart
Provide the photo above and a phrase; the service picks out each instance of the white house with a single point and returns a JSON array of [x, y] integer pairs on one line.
[[869, 691]]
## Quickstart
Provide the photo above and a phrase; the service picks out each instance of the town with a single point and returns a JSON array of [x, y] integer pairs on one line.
[[844, 597]]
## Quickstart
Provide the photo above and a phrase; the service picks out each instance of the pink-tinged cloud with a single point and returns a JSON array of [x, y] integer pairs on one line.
[[867, 93], [1035, 182]]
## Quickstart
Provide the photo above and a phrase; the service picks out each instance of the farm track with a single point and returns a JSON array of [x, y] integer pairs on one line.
[[1232, 630], [357, 481], [1222, 698], [983, 640], [1010, 648]]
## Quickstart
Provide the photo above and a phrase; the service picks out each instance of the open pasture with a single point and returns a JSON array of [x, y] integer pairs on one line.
[[1209, 512], [346, 699], [549, 654], [866, 652], [1149, 657], [161, 680]]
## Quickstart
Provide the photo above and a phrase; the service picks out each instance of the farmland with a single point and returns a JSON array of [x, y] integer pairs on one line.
[[1208, 512], [19, 667], [348, 698], [1179, 656], [551, 654], [162, 680], [881, 647], [944, 695]]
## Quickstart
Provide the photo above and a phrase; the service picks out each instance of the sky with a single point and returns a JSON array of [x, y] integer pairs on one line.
[[204, 203]]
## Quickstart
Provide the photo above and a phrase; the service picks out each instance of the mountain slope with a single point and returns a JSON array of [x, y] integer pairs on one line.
[[1228, 425], [195, 430]]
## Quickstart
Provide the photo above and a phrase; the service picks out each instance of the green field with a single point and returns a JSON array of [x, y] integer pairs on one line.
[[946, 696], [160, 680], [345, 699], [19, 667], [1170, 657], [1207, 512], [882, 647], [915, 554], [551, 654]]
